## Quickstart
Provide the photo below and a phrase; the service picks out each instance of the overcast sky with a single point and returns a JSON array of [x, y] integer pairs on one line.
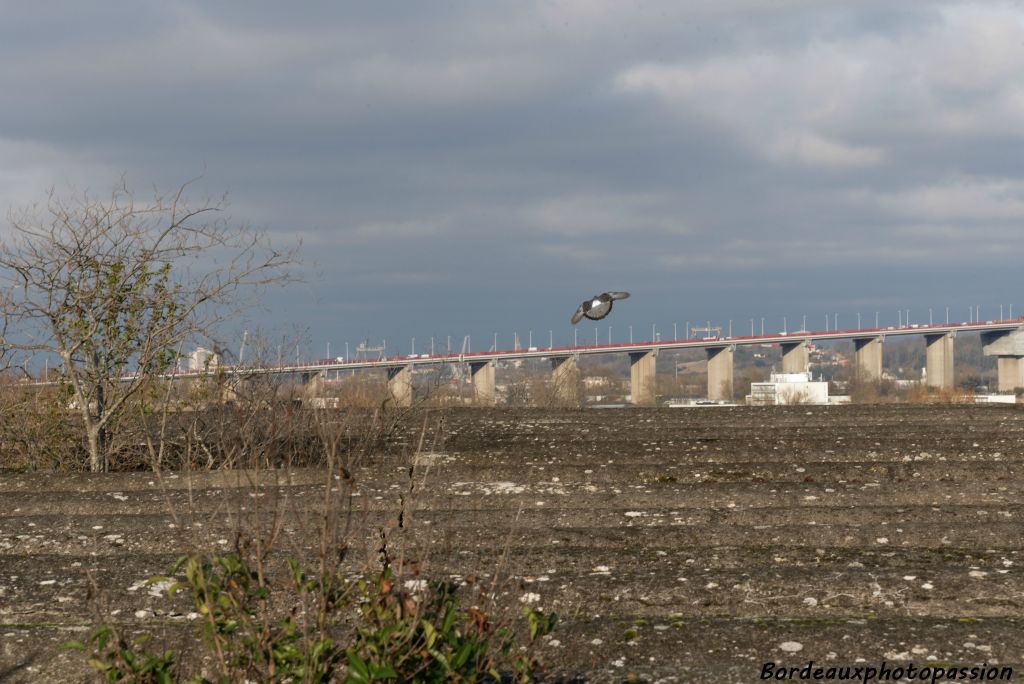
[[470, 167]]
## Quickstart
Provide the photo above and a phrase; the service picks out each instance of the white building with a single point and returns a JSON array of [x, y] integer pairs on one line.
[[995, 399], [788, 388]]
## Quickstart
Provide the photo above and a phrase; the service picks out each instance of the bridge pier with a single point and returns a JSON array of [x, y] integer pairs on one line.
[[794, 357], [400, 385], [227, 390], [939, 360], [312, 384], [1011, 373], [565, 380], [868, 358], [482, 374], [206, 389], [720, 373], [642, 377], [1008, 348]]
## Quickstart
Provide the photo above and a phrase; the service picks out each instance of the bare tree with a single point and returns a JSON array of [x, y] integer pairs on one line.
[[113, 287]]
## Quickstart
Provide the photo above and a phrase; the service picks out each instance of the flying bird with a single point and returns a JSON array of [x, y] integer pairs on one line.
[[597, 307]]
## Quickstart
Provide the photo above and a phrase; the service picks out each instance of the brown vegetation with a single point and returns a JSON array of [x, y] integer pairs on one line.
[[111, 289]]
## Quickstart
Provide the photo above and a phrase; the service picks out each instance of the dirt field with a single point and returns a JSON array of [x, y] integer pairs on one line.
[[688, 545]]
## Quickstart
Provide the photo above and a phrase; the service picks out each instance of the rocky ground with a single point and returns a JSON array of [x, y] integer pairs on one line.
[[689, 545]]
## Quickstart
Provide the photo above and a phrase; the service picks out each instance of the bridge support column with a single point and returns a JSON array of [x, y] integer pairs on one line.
[[1011, 373], [794, 357], [400, 385], [312, 384], [482, 374], [204, 389], [1008, 348], [642, 377], [565, 378], [868, 358], [939, 360], [228, 391], [720, 373]]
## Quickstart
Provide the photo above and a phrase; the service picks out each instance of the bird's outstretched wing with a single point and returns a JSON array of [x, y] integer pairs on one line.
[[618, 295], [578, 316]]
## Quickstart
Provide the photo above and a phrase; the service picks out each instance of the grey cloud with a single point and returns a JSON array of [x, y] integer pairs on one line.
[[759, 157]]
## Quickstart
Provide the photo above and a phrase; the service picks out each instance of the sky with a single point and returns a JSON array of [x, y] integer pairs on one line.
[[471, 168]]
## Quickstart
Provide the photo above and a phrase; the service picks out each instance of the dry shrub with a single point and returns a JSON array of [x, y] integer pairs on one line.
[[887, 392], [293, 601], [922, 394], [864, 391], [36, 433]]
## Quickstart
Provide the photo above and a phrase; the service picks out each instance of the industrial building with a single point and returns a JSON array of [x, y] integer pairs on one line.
[[788, 388]]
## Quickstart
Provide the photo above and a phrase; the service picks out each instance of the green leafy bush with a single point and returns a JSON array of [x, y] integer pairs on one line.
[[321, 629], [118, 660]]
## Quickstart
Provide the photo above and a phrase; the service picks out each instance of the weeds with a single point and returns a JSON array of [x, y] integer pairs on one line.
[[307, 613], [118, 659], [300, 631]]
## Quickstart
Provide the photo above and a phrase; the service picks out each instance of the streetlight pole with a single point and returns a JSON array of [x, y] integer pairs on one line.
[[631, 334]]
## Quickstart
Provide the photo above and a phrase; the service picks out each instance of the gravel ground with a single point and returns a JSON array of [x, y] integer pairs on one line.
[[677, 545]]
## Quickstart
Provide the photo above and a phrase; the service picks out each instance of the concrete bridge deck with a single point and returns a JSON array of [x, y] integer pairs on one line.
[[626, 347], [1003, 339]]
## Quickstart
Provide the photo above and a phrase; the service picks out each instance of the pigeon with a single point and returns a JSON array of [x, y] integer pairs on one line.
[[597, 307]]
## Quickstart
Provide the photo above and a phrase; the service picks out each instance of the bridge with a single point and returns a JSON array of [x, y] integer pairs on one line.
[[1003, 339]]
